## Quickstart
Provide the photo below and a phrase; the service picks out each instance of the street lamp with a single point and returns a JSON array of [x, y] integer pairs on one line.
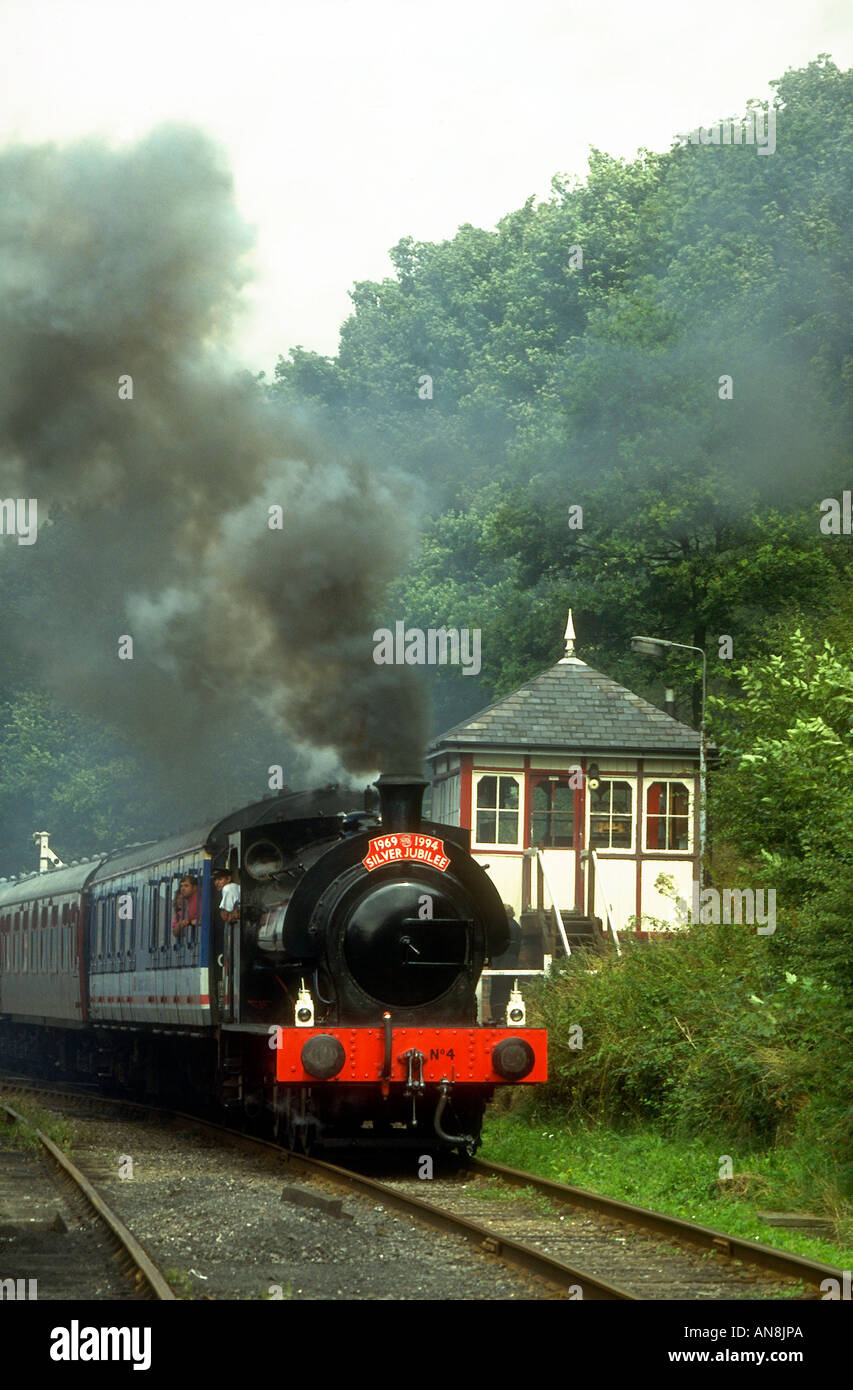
[[656, 646]]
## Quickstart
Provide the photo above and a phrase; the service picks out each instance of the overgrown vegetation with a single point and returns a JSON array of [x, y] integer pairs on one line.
[[707, 1031], [60, 1128], [679, 1174]]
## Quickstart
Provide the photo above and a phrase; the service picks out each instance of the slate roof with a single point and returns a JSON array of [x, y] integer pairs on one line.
[[572, 708]]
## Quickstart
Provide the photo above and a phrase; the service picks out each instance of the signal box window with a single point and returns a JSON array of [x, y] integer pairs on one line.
[[552, 820], [668, 816], [497, 810], [611, 816]]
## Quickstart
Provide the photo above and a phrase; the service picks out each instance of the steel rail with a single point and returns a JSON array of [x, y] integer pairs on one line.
[[751, 1252], [511, 1252], [147, 1280]]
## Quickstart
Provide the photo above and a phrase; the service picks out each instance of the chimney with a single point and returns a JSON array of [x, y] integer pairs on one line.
[[669, 701], [401, 798]]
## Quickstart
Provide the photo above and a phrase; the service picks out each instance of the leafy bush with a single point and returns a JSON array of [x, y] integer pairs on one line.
[[707, 1030]]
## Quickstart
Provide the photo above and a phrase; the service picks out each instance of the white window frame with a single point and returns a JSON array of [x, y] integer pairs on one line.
[[682, 782], [519, 813], [614, 849]]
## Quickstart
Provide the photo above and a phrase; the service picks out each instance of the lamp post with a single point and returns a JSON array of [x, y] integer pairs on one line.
[[654, 646]]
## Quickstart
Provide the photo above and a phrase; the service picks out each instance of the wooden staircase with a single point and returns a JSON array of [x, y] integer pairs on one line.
[[540, 932], [581, 931]]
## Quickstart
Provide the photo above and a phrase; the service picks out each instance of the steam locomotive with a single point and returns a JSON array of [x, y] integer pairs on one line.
[[339, 1006]]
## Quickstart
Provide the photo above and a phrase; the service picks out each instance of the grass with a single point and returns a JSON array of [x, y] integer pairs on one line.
[[181, 1284], [60, 1128], [679, 1176]]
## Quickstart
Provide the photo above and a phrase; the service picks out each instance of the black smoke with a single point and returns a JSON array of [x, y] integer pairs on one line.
[[154, 511]]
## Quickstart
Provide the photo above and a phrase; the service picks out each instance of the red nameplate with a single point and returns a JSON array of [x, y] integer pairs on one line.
[[393, 849]]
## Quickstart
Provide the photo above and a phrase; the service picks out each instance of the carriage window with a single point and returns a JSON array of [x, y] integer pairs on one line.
[[611, 816], [128, 908], [148, 900], [668, 816], [72, 934], [184, 908], [164, 911], [99, 935], [497, 810], [552, 819]]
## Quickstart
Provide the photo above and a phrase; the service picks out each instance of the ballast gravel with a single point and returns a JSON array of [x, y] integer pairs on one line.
[[212, 1218]]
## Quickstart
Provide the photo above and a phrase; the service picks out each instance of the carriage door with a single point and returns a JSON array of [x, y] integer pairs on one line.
[[229, 960], [225, 937], [552, 830], [231, 972]]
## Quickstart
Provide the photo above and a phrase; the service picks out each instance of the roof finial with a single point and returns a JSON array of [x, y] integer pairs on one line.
[[570, 636]]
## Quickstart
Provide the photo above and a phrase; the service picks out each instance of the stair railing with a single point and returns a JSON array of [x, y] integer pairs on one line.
[[600, 880], [550, 887]]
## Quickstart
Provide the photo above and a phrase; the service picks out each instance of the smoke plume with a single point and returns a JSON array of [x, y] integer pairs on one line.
[[156, 512]]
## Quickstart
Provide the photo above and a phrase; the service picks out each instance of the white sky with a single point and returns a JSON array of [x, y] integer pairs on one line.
[[352, 123]]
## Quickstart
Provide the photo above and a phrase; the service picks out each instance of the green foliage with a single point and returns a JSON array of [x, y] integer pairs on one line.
[[64, 773], [60, 1128], [705, 1030], [678, 1174], [785, 796]]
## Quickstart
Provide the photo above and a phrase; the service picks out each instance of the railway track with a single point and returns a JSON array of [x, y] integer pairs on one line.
[[645, 1254], [58, 1237], [224, 1214], [580, 1244], [751, 1253]]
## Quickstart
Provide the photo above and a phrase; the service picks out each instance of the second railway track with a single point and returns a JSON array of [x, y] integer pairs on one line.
[[58, 1237]]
